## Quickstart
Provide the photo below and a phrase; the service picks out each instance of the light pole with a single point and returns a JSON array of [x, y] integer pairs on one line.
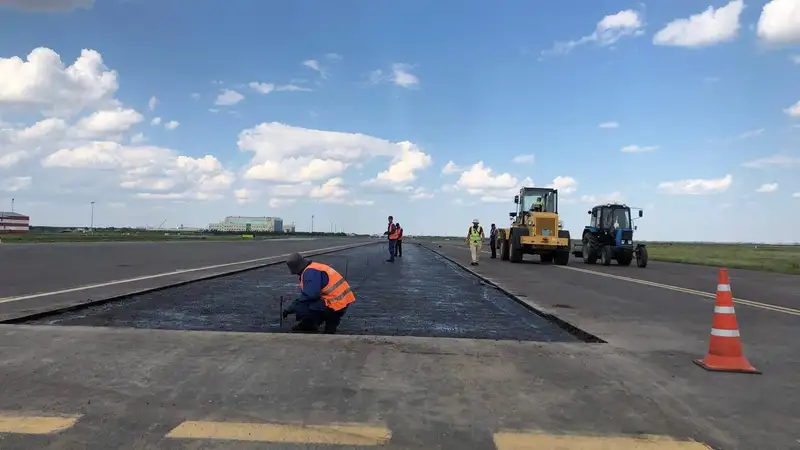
[[91, 223], [12, 204], [312, 224]]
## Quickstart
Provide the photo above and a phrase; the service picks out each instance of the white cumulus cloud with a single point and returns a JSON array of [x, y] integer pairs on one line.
[[451, 168], [43, 83], [704, 29], [779, 23], [608, 32], [696, 186], [228, 97], [767, 188]]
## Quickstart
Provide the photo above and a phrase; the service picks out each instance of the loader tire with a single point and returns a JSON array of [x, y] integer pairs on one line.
[[516, 245], [562, 257]]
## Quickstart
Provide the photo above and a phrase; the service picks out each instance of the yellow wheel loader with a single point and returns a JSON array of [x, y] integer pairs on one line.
[[535, 229]]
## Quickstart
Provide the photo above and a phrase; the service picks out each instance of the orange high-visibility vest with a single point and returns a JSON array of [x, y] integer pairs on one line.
[[395, 235], [400, 233], [336, 294]]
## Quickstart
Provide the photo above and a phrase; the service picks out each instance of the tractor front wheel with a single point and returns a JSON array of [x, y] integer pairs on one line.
[[641, 257]]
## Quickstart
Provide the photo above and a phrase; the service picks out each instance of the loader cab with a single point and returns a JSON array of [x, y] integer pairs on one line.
[[527, 199]]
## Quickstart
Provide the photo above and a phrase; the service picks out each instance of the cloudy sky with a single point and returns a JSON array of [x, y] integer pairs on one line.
[[435, 112]]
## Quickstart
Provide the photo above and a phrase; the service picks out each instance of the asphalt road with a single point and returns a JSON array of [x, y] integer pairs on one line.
[[421, 306], [656, 315], [38, 277], [96, 388]]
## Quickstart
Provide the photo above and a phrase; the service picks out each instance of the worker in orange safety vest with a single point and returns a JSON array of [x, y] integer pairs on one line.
[[393, 233], [399, 240], [324, 296]]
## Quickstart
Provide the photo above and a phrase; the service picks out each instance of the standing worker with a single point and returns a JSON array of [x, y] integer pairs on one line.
[[324, 296], [399, 240], [493, 241], [475, 239], [393, 233]]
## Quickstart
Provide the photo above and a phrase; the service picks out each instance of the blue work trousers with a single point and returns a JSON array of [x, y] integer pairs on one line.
[[392, 249]]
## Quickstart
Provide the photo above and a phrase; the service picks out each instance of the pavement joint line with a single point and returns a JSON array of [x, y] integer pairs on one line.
[[754, 304], [172, 273], [334, 434], [21, 424], [582, 335], [532, 440]]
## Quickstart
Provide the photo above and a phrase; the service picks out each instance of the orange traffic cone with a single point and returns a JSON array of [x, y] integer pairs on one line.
[[725, 348]]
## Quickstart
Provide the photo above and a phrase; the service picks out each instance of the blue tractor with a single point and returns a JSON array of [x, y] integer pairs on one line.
[[609, 236]]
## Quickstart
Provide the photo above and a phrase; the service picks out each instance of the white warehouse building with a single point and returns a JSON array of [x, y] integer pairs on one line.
[[240, 224]]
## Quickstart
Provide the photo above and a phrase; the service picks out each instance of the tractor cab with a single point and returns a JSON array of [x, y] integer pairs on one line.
[[609, 236], [612, 217]]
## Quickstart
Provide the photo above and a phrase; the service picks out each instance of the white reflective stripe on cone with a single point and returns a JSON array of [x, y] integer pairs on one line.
[[724, 333], [724, 287], [724, 309]]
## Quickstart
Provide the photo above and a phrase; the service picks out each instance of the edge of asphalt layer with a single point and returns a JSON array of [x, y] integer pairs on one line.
[[117, 298], [582, 335]]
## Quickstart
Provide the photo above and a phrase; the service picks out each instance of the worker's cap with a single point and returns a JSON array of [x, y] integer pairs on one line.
[[474, 220], [296, 263]]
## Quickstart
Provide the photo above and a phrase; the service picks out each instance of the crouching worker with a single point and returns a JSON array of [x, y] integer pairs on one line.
[[324, 296]]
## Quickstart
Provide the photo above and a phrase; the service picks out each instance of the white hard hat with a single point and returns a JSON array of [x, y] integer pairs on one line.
[[474, 220]]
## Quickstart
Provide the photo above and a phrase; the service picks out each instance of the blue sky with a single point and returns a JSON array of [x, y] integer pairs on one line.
[[352, 110]]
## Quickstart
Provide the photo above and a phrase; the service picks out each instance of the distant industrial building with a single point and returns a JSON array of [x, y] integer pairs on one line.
[[11, 222], [239, 224], [289, 228]]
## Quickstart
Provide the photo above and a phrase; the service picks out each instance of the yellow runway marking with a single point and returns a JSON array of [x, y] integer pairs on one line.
[[541, 441], [741, 301], [35, 424], [343, 434]]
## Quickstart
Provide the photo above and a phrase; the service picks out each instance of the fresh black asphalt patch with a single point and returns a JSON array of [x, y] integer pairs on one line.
[[420, 294]]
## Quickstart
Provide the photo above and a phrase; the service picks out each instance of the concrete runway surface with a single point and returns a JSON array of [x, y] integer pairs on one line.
[[65, 387]]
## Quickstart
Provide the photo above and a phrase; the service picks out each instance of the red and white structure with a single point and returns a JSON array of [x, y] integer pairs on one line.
[[11, 222]]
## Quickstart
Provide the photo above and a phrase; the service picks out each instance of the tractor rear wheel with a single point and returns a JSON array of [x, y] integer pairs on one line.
[[504, 248], [589, 249], [606, 255]]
